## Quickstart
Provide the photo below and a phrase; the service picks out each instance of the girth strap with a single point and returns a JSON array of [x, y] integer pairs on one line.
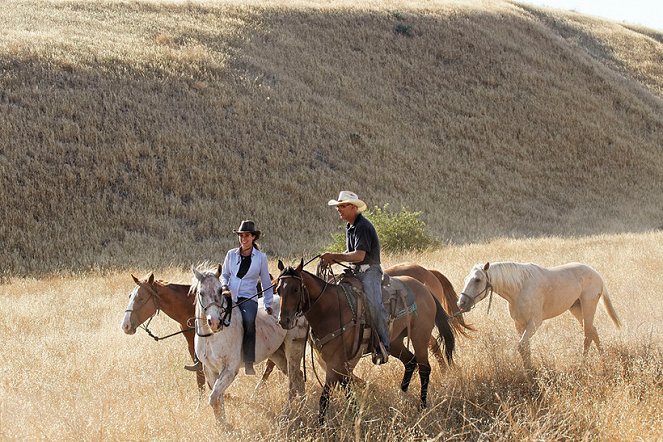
[[333, 335]]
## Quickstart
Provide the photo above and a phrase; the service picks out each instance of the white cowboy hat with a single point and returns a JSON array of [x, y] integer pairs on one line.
[[347, 197]]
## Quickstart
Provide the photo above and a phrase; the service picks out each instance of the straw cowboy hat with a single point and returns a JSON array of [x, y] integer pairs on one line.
[[248, 226], [347, 197]]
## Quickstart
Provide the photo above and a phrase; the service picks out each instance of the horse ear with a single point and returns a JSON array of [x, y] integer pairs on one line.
[[301, 265], [218, 271], [486, 266], [135, 280], [150, 280], [280, 265], [196, 273]]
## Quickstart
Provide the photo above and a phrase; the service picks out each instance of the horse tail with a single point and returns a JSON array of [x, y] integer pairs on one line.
[[607, 304], [444, 329], [451, 305]]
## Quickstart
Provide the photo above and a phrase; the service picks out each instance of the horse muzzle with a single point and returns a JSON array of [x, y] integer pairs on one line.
[[287, 323], [214, 324], [127, 327], [465, 303]]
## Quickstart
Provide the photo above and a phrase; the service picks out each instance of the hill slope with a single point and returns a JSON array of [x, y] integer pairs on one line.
[[142, 133]]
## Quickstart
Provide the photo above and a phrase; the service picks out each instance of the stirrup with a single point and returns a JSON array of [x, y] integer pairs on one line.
[[198, 366], [381, 356]]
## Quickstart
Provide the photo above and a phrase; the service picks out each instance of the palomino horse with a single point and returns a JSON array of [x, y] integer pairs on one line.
[[537, 293], [150, 296], [339, 333], [218, 343]]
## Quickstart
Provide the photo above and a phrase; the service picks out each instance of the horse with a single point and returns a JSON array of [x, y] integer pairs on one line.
[[218, 340], [536, 293], [149, 297], [440, 286], [338, 333]]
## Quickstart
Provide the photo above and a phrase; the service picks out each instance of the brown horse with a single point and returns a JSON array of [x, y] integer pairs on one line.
[[339, 333], [444, 292], [150, 296], [440, 287]]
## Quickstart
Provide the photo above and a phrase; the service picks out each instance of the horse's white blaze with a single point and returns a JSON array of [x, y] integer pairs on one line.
[[126, 321]]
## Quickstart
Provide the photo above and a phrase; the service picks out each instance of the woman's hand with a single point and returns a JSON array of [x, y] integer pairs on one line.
[[269, 311]]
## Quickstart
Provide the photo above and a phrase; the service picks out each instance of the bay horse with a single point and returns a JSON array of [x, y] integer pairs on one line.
[[536, 293], [218, 341], [149, 297], [444, 292], [338, 332]]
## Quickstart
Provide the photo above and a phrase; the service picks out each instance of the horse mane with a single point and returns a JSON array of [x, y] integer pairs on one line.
[[511, 274], [206, 268], [291, 271]]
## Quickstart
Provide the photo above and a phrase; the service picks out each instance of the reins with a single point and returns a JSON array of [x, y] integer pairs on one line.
[[237, 304]]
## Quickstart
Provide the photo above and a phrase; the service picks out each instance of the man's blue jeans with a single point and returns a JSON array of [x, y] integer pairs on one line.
[[372, 282]]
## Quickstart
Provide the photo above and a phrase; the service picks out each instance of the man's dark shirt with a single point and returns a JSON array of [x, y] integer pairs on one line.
[[362, 236]]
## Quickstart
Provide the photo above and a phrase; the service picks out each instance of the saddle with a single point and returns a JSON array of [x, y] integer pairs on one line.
[[397, 298]]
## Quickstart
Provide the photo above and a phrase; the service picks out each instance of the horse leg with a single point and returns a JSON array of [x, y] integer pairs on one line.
[[399, 350], [424, 377], [295, 350], [324, 403], [524, 345], [588, 312], [436, 349], [577, 311], [269, 367], [216, 401]]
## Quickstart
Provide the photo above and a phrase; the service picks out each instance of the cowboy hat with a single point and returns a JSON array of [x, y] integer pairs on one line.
[[347, 197], [248, 226]]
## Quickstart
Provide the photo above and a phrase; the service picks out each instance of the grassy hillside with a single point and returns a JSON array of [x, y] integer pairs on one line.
[[141, 133]]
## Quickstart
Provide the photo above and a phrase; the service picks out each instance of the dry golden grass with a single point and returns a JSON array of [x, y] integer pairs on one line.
[[139, 133], [69, 373]]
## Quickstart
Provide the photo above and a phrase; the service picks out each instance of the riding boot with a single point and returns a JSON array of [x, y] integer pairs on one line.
[[197, 366], [381, 356], [248, 368]]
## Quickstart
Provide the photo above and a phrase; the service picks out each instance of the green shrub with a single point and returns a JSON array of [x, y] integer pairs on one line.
[[398, 231]]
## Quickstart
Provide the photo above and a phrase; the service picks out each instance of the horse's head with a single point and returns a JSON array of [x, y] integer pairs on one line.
[[291, 290], [477, 286], [206, 288], [143, 304]]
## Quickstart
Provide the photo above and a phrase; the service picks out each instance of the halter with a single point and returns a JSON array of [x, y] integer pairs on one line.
[[488, 288]]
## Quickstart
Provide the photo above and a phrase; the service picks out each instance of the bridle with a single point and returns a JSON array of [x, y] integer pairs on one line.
[[488, 289], [155, 299], [225, 314], [304, 297]]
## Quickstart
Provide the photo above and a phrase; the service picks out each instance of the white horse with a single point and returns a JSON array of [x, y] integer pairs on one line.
[[219, 346], [537, 293]]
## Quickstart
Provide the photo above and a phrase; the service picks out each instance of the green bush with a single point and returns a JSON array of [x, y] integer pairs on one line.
[[398, 231]]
